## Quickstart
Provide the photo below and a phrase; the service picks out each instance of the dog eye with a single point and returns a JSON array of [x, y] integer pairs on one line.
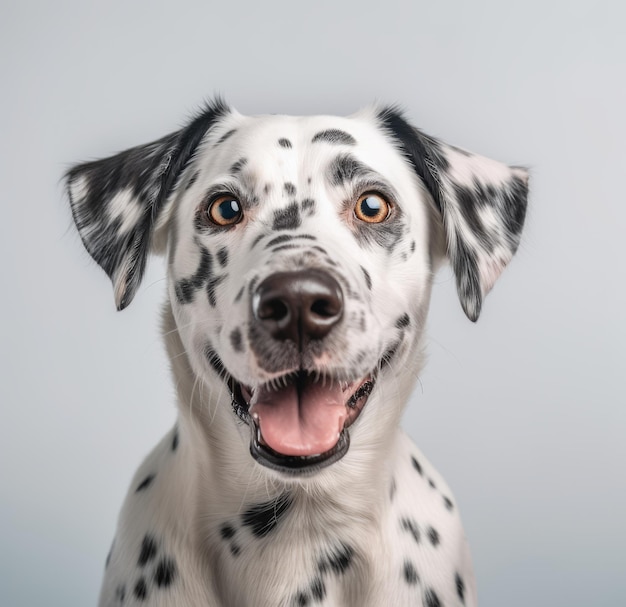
[[372, 208], [225, 211]]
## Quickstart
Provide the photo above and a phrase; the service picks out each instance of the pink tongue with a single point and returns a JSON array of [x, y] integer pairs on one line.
[[306, 425]]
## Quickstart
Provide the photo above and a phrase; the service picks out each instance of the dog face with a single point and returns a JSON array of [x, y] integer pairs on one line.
[[301, 252]]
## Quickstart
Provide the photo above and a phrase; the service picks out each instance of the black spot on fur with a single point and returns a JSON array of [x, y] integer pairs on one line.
[[141, 589], [433, 536], [237, 167], [403, 322], [267, 188], [346, 168], [431, 482], [235, 549], [318, 589], [412, 246], [336, 136], [120, 593], [192, 180], [175, 440], [239, 295], [308, 206], [416, 465], [236, 340], [284, 143], [290, 189], [222, 256], [368, 278], [145, 483], [460, 587], [448, 502], [338, 561], [148, 550], [410, 574], [410, 525], [225, 136], [186, 288], [431, 599], [263, 518], [227, 531], [211, 286], [287, 218], [301, 600], [165, 572]]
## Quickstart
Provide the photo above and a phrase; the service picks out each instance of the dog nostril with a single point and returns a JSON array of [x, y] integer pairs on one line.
[[273, 309], [324, 308]]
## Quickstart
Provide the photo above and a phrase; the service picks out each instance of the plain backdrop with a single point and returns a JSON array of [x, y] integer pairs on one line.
[[524, 413]]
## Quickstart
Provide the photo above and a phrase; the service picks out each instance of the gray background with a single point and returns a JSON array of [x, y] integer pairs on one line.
[[523, 413]]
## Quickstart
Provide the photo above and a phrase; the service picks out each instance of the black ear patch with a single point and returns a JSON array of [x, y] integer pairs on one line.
[[116, 202], [482, 204]]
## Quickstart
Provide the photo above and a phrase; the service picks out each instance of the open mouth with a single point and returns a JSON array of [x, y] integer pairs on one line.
[[300, 422]]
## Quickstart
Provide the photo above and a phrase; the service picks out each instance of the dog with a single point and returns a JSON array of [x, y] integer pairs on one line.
[[300, 259]]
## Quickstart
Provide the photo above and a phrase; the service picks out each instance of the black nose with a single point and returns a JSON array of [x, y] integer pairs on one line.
[[299, 306]]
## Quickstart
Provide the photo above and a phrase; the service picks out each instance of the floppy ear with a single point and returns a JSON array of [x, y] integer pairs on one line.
[[481, 202], [118, 202]]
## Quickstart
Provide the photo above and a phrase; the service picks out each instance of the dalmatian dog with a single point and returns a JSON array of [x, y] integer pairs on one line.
[[300, 259]]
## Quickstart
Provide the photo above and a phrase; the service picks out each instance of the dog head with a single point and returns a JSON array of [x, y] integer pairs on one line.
[[301, 252]]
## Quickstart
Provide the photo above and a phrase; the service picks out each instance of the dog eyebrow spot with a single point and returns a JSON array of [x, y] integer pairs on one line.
[[145, 483], [284, 143], [287, 218], [346, 168], [336, 136], [236, 168], [225, 136], [263, 518], [290, 189]]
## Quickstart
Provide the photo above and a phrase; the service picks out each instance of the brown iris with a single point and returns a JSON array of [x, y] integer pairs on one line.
[[225, 210], [372, 208]]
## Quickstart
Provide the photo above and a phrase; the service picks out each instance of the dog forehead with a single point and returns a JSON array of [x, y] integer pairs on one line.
[[299, 147]]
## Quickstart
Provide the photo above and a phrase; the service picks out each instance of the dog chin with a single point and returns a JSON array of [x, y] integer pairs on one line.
[[299, 423]]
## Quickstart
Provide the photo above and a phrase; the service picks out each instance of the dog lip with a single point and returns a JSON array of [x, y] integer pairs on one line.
[[296, 465], [300, 464]]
